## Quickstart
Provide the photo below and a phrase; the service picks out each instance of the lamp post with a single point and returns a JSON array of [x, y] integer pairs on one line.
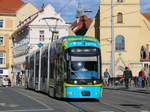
[[112, 41]]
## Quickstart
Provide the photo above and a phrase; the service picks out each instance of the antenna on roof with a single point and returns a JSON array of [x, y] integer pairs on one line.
[[43, 5], [79, 10]]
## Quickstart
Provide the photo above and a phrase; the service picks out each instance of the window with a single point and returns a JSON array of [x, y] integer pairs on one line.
[[1, 40], [1, 71], [1, 23], [2, 58], [55, 35], [120, 43], [41, 35], [119, 0], [119, 17]]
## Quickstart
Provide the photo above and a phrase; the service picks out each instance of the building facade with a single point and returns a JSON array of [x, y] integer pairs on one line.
[[7, 27], [34, 32], [131, 32]]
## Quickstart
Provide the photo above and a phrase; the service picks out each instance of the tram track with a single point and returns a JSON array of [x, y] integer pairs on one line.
[[115, 107], [106, 104], [77, 107], [111, 108]]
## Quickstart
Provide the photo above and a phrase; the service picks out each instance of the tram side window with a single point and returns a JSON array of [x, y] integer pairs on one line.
[[37, 65], [31, 67], [44, 67], [46, 63], [55, 67], [60, 67], [51, 69]]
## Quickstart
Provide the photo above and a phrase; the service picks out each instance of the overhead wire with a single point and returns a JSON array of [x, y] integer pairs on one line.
[[61, 9], [118, 5], [131, 12]]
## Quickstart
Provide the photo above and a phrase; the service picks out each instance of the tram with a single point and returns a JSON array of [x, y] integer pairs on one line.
[[70, 67]]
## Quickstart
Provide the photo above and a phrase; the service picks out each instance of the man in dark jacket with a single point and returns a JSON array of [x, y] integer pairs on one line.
[[127, 74]]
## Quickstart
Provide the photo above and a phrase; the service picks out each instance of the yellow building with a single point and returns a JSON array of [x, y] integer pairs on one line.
[[131, 31], [7, 26], [10, 15]]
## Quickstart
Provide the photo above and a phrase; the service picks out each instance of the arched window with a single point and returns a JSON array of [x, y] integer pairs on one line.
[[120, 43], [119, 17]]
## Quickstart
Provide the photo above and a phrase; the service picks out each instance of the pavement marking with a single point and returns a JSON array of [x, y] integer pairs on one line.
[[106, 111], [145, 111], [3, 104], [27, 110], [114, 106], [45, 105], [8, 105], [13, 105]]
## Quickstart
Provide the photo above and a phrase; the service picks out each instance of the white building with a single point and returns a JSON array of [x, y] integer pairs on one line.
[[36, 30]]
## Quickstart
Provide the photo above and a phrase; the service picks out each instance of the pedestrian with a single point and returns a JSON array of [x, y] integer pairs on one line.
[[106, 77], [139, 81], [18, 80], [142, 75], [127, 74], [130, 77], [136, 81]]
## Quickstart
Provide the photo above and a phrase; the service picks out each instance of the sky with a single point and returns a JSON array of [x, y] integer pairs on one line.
[[67, 8], [145, 6]]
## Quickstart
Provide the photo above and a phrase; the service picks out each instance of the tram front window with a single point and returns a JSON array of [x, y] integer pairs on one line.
[[86, 69]]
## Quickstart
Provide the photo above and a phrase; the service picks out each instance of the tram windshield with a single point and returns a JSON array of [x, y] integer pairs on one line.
[[84, 67]]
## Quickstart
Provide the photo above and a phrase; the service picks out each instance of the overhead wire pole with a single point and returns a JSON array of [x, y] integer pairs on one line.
[[51, 40], [112, 42]]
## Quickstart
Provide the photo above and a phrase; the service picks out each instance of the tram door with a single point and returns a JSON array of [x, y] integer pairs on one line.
[[37, 70]]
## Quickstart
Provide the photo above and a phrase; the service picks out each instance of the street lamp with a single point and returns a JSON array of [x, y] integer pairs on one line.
[[53, 31], [112, 41]]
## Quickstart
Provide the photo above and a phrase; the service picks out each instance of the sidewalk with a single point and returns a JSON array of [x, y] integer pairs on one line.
[[145, 90]]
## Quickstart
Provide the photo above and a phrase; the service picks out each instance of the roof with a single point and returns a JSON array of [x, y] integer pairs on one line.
[[10, 6], [147, 16], [81, 26], [26, 22]]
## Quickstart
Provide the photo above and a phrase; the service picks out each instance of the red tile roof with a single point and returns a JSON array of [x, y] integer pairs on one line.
[[10, 6], [80, 25], [147, 16]]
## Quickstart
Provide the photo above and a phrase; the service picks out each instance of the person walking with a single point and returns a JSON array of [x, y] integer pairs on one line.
[[142, 75], [106, 77], [130, 78], [139, 81], [127, 74]]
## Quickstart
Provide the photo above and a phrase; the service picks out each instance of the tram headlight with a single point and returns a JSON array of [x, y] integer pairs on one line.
[[94, 81], [75, 81]]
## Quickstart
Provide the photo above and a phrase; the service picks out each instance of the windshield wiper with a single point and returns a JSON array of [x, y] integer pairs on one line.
[[75, 73]]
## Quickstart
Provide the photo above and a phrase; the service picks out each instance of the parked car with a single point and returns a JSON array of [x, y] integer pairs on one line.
[[5, 82]]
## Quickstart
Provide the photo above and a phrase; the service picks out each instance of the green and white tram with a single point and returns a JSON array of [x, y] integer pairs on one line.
[[69, 68]]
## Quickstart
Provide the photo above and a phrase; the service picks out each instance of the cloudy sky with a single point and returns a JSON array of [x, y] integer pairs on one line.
[[67, 8]]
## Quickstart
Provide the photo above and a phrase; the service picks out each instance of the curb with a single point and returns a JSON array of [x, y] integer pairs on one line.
[[129, 90]]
